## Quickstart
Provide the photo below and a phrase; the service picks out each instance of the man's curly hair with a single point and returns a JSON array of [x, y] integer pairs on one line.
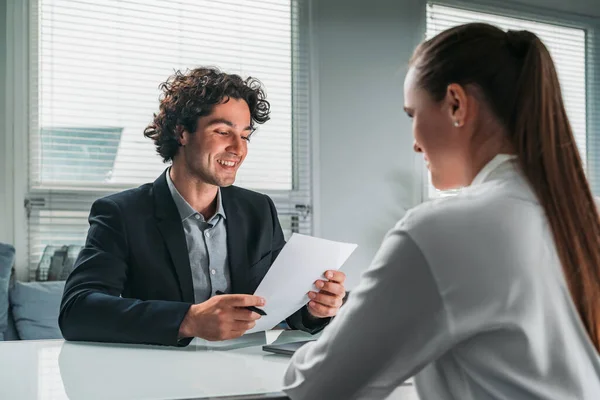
[[187, 96]]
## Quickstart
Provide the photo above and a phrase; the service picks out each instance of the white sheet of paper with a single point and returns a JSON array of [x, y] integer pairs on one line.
[[302, 261]]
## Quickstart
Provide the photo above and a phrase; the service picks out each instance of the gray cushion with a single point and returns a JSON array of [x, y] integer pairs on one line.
[[11, 330], [35, 308], [7, 258]]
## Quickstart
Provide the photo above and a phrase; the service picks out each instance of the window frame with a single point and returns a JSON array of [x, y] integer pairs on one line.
[[591, 26], [17, 124]]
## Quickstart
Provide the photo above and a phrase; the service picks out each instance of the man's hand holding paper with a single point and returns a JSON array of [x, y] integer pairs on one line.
[[328, 300], [296, 273]]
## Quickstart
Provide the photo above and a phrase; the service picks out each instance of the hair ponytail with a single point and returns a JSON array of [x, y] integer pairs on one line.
[[547, 152], [518, 78]]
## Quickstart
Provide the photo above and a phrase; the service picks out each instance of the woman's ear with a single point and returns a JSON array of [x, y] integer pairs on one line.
[[458, 102]]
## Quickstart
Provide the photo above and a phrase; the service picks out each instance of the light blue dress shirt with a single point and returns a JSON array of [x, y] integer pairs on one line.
[[207, 246]]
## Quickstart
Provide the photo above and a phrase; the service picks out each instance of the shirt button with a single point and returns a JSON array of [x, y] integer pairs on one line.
[[197, 216], [212, 271], [207, 233]]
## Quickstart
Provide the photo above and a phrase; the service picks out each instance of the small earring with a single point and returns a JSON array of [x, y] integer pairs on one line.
[[456, 124]]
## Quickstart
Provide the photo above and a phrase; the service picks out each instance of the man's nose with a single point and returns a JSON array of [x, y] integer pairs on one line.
[[236, 145], [417, 148]]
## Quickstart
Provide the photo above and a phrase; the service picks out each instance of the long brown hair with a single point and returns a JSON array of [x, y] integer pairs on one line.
[[518, 79]]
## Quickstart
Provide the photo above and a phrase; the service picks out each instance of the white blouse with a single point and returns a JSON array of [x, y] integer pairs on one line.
[[468, 294]]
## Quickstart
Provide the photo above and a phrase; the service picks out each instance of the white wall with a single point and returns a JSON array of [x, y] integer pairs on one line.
[[368, 176]]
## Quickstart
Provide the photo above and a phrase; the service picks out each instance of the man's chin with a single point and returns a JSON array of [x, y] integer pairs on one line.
[[224, 182]]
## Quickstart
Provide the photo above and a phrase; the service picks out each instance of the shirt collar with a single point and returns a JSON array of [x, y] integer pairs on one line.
[[184, 208], [497, 165]]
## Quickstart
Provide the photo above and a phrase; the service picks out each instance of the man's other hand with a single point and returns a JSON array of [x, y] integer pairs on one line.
[[328, 300]]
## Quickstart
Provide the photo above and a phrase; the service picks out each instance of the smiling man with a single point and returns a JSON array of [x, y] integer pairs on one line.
[[157, 256]]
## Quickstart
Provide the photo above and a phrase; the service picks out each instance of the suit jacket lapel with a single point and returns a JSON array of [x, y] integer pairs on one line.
[[171, 229], [237, 253]]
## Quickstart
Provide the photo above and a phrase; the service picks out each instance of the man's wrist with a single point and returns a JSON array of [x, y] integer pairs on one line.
[[310, 321], [185, 329]]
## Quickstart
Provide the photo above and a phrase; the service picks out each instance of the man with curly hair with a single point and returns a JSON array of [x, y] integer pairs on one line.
[[156, 257]]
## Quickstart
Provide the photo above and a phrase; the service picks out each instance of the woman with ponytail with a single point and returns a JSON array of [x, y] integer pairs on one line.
[[494, 293]]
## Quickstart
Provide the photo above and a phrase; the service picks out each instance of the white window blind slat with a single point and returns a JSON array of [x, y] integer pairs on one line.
[[95, 70], [566, 45]]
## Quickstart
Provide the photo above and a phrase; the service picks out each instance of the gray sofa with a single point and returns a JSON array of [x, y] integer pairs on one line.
[[28, 310]]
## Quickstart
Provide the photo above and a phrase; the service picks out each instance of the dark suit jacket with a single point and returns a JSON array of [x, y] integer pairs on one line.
[[132, 281]]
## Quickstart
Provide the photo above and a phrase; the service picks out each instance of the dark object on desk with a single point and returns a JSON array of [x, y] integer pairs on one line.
[[287, 349], [251, 308]]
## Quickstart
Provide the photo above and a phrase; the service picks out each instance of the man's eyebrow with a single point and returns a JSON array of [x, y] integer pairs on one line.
[[227, 122]]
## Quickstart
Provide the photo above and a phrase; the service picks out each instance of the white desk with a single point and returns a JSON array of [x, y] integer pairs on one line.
[[55, 369]]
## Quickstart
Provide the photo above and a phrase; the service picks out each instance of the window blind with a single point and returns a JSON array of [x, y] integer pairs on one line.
[[593, 106], [95, 70], [566, 45]]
